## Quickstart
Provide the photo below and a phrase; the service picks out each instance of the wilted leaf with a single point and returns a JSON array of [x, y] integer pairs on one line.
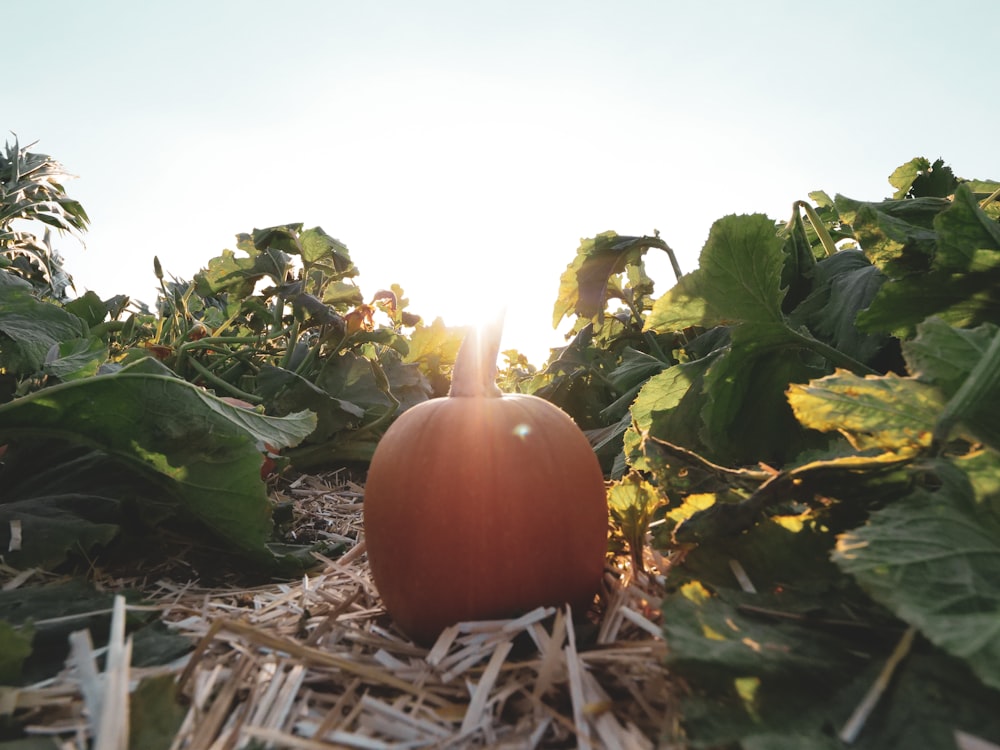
[[584, 285]]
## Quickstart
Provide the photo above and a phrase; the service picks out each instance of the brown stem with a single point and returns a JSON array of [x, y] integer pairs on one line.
[[475, 371]]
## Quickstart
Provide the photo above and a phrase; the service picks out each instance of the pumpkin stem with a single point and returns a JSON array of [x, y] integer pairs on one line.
[[475, 371]]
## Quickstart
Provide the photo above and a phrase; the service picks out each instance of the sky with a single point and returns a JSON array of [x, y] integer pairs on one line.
[[462, 149]]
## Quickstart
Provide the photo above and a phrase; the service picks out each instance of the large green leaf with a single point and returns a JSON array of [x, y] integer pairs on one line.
[[843, 285], [669, 404], [934, 560], [746, 418], [30, 328], [202, 451], [738, 279]]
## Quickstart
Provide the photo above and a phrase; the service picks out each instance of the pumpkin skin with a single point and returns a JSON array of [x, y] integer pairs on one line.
[[483, 507]]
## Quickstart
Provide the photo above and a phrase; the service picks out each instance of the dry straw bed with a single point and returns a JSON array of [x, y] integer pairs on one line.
[[316, 663]]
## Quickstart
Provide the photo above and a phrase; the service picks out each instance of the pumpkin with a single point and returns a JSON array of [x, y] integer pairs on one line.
[[482, 505]]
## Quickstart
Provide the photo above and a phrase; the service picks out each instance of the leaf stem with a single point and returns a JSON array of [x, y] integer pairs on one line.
[[382, 381], [995, 195], [655, 241], [218, 382], [832, 354], [818, 226]]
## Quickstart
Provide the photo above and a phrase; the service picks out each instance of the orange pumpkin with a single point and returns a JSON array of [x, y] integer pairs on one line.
[[483, 505]]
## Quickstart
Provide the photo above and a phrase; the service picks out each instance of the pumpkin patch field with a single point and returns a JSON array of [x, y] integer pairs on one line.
[[756, 505]]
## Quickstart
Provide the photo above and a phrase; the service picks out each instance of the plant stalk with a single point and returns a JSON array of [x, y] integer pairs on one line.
[[475, 371]]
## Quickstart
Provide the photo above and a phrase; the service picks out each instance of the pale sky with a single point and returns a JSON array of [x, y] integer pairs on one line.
[[461, 149]]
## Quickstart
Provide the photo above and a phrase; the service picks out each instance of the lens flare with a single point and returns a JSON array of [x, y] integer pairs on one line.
[[522, 430]]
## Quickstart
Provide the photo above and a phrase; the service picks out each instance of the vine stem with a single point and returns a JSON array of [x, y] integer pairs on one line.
[[221, 384], [655, 241]]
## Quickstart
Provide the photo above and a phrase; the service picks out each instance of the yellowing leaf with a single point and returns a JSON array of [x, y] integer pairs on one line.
[[886, 412]]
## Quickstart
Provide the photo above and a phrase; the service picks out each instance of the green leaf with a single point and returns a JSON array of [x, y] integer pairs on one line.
[[918, 178], [286, 393], [945, 356], [934, 560], [968, 239], [891, 241], [342, 294], [636, 367], [319, 248], [785, 666], [960, 284], [75, 358], [204, 452], [669, 404], [229, 273], [963, 300], [89, 308], [887, 412], [632, 502], [800, 261], [738, 279], [746, 417], [15, 647], [156, 713], [29, 328], [54, 526], [843, 285]]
